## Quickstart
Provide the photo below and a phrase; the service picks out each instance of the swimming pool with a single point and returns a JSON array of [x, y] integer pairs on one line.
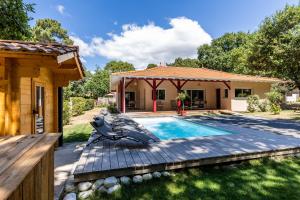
[[166, 128]]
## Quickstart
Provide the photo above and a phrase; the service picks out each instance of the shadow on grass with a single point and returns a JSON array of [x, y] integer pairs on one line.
[[257, 179]]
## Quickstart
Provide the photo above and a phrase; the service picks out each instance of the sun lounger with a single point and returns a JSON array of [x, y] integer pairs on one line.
[[107, 132]]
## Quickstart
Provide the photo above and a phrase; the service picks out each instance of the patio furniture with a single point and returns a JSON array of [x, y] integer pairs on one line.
[[160, 105], [173, 104], [107, 132]]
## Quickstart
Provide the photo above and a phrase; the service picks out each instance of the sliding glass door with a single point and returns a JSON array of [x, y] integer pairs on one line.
[[196, 99]]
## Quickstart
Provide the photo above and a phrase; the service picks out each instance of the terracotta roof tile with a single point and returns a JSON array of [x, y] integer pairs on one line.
[[32, 47], [170, 72]]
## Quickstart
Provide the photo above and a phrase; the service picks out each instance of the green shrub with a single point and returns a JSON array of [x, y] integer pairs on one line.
[[80, 104], [275, 109], [263, 106], [275, 99], [112, 108], [66, 113], [253, 103], [89, 104]]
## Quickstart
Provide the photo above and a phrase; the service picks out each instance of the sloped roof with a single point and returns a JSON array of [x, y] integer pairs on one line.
[[33, 47], [188, 73], [51, 49]]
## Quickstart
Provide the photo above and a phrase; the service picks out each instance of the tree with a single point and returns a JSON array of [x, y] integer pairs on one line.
[[151, 65], [50, 30], [188, 62], [118, 66], [98, 84], [14, 19], [276, 47], [224, 52]]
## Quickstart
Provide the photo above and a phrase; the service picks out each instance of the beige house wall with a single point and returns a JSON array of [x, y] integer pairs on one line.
[[240, 103], [143, 94]]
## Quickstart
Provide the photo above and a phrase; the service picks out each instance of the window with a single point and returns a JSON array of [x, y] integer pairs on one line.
[[160, 94], [242, 92], [226, 93]]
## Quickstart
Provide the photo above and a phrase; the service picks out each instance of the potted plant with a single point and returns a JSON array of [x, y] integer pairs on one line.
[[182, 96]]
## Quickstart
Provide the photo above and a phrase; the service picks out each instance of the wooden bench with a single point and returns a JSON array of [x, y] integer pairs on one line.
[[27, 166]]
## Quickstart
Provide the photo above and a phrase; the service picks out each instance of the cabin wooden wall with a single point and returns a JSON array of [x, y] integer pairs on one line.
[[16, 102]]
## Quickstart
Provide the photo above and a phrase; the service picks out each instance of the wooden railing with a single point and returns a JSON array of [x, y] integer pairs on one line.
[[27, 167]]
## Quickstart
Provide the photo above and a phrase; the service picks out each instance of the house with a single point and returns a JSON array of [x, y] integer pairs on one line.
[[31, 79], [292, 96], [157, 88]]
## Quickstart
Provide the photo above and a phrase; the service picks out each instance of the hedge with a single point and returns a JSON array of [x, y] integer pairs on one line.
[[80, 104]]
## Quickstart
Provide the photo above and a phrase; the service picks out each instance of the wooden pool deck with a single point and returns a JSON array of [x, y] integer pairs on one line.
[[107, 159]]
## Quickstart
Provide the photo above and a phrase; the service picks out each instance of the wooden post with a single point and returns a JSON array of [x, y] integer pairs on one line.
[[154, 95], [2, 96], [123, 106]]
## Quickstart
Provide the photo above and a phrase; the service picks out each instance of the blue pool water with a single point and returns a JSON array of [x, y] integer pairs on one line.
[[166, 128]]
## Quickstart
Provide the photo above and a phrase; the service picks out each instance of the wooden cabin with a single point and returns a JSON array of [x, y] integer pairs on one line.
[[31, 79]]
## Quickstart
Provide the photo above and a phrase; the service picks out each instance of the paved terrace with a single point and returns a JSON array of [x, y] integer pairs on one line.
[[106, 159]]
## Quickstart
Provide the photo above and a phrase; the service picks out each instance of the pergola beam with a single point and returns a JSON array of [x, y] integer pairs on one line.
[[127, 84], [227, 85]]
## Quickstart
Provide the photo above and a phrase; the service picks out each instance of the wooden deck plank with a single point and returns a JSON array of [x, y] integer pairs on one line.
[[90, 160], [128, 158], [154, 149], [135, 156], [82, 160], [144, 158], [113, 158], [158, 155], [151, 157], [106, 158], [121, 158], [98, 158]]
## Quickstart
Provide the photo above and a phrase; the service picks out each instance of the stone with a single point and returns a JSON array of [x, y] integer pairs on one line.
[[165, 173], [97, 184], [102, 189], [156, 174], [84, 186], [70, 196], [125, 180], [137, 179], [113, 188], [110, 181], [85, 194], [147, 177], [70, 187]]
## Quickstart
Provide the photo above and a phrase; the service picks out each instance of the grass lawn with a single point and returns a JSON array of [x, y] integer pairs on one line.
[[285, 114], [77, 133], [257, 179]]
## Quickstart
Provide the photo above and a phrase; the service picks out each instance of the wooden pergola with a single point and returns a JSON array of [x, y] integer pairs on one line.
[[154, 83]]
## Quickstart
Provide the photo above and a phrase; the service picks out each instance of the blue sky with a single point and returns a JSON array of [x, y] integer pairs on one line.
[[144, 31]]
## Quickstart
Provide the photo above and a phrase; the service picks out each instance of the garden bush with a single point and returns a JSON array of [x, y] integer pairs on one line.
[[80, 104], [89, 104], [253, 103], [275, 99], [263, 106], [112, 108], [66, 113]]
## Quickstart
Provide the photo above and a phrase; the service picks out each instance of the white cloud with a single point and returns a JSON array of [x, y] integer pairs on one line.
[[141, 45], [85, 49], [60, 9]]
